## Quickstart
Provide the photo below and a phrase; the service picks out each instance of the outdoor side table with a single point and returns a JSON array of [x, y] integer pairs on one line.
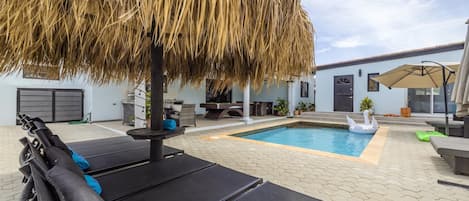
[[156, 138]]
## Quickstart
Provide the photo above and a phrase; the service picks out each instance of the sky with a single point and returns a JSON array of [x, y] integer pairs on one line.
[[353, 29]]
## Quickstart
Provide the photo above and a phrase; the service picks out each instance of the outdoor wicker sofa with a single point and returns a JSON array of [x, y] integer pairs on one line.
[[455, 151], [102, 154], [51, 174]]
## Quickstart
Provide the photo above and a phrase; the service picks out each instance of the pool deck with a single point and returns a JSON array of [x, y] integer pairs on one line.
[[405, 170]]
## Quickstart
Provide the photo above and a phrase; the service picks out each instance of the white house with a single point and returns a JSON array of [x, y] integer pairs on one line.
[[74, 99], [59, 100], [341, 86]]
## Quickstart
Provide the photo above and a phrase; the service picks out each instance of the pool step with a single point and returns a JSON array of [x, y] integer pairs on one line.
[[358, 117]]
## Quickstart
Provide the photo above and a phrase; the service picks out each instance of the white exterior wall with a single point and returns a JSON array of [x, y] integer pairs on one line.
[[297, 90], [99, 102], [386, 100], [106, 101]]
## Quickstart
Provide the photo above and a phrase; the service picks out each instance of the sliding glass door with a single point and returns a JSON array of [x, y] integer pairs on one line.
[[430, 101]]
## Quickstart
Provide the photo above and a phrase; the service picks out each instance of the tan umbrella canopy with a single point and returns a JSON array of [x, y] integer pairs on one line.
[[108, 39], [428, 74], [421, 75], [461, 86]]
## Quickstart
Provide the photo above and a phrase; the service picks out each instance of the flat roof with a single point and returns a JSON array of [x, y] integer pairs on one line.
[[395, 55]]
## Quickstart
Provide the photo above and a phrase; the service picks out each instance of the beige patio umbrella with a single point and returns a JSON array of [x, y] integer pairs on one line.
[[460, 93], [113, 40], [428, 74], [420, 75]]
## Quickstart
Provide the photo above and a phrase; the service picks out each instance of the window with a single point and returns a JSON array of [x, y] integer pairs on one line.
[[304, 93], [42, 72], [373, 85]]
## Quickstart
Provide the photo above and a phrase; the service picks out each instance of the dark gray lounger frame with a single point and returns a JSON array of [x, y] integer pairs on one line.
[[455, 151]]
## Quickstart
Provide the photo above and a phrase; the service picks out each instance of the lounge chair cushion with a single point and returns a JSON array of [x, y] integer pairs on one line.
[[70, 186], [211, 184], [57, 157], [132, 180], [451, 146]]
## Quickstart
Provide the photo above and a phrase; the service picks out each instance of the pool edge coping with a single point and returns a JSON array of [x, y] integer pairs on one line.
[[370, 155]]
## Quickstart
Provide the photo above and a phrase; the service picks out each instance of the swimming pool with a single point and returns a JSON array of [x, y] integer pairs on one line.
[[334, 140]]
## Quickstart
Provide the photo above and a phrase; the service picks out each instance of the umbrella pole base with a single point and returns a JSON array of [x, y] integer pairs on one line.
[[453, 184], [466, 126]]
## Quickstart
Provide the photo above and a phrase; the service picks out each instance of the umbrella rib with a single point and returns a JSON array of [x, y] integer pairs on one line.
[[431, 78]]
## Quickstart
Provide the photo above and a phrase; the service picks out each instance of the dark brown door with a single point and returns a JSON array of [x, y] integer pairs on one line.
[[343, 93]]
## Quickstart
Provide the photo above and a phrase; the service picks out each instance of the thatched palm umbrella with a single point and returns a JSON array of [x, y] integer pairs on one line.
[[113, 40]]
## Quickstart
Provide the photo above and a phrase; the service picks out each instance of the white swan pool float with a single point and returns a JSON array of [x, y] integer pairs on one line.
[[366, 127]]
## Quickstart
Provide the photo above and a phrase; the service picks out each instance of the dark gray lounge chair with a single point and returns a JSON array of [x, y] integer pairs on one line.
[[456, 128], [103, 154], [53, 175], [178, 178], [455, 151]]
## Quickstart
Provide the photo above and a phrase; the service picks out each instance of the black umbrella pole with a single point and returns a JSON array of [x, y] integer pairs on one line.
[[445, 82], [156, 151]]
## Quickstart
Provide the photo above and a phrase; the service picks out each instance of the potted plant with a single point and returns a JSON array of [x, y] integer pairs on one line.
[[148, 108], [302, 106], [311, 107], [281, 108], [297, 110], [367, 104]]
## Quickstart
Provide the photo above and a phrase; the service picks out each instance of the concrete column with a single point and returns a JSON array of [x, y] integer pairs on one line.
[[291, 104], [246, 103]]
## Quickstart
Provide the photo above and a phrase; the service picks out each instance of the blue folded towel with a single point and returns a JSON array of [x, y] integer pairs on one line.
[[169, 124], [80, 160], [93, 184]]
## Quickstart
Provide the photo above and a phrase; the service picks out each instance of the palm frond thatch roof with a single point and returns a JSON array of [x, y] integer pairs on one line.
[[109, 40]]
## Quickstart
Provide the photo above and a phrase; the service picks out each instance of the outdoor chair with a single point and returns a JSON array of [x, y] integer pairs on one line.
[[456, 128], [184, 115], [178, 179], [102, 154], [51, 174], [455, 151]]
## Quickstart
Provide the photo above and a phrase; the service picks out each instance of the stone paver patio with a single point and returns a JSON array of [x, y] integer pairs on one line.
[[407, 170]]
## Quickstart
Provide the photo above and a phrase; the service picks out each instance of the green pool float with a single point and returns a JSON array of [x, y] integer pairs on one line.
[[424, 136]]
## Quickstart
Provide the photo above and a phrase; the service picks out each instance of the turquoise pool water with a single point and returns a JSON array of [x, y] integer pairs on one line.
[[335, 140]]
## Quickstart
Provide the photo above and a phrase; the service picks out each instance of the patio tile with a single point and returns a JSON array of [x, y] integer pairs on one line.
[[407, 170]]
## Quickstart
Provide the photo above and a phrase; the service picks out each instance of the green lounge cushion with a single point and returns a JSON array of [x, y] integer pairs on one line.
[[424, 136]]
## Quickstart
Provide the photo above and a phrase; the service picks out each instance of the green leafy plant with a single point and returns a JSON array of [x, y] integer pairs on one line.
[[302, 106], [366, 104], [281, 107], [312, 107], [148, 104]]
